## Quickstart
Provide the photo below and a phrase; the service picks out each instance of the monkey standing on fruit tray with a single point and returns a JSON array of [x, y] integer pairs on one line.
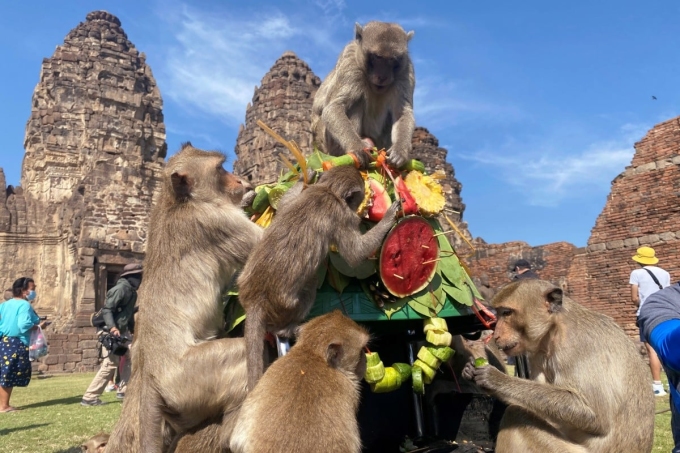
[[369, 94], [589, 390]]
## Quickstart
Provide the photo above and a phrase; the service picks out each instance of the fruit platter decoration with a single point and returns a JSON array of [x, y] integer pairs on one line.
[[416, 265]]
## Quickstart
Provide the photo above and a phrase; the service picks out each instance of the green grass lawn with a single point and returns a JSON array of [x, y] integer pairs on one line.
[[52, 419]]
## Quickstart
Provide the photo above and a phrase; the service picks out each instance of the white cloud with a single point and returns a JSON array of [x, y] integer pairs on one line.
[[546, 176], [216, 59]]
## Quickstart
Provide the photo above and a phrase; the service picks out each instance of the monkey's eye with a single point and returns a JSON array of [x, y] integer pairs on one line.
[[503, 312]]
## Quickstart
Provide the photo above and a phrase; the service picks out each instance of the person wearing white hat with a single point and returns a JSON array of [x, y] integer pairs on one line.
[[644, 282]]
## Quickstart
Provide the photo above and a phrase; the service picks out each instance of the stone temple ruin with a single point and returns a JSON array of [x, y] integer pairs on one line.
[[95, 144], [95, 147]]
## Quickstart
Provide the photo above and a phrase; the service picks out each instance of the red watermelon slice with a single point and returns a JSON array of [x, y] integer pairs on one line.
[[408, 256]]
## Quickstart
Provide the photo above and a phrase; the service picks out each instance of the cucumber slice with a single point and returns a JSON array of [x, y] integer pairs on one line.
[[480, 362], [372, 358], [428, 373], [389, 383], [417, 379], [404, 370], [374, 373], [435, 324], [438, 337], [429, 359], [443, 353]]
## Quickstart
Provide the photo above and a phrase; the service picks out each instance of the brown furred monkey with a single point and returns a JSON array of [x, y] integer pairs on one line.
[[182, 373], [278, 284], [307, 400], [369, 93], [590, 391], [95, 444]]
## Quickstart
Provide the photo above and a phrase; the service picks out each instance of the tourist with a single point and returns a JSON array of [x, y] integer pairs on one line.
[[659, 322], [117, 312], [17, 320], [645, 281], [523, 270]]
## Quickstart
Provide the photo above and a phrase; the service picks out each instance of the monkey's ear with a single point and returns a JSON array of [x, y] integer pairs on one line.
[[358, 31], [409, 35], [185, 145], [334, 354], [553, 299], [181, 185]]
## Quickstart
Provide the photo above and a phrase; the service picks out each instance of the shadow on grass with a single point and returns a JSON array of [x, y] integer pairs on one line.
[[70, 450], [69, 400], [6, 431]]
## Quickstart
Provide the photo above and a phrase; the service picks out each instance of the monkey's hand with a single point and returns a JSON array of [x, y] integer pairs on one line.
[[393, 210], [397, 156], [248, 198], [485, 377]]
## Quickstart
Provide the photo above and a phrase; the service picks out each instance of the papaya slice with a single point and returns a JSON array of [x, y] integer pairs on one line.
[[408, 256]]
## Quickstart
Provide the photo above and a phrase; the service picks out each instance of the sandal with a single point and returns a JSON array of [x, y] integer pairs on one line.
[[9, 409]]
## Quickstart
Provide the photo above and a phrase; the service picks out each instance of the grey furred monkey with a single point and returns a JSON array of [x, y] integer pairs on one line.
[[183, 372], [277, 286], [589, 390], [307, 400], [369, 94]]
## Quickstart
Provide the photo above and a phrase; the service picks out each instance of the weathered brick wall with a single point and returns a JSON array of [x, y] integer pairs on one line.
[[551, 262], [642, 208]]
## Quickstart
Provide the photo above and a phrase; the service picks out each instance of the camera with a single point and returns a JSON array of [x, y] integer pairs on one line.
[[116, 345]]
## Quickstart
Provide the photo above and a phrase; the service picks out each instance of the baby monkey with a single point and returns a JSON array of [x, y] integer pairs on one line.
[[277, 287], [307, 400]]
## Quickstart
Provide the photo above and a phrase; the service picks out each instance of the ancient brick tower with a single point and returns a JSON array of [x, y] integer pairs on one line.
[[95, 144], [284, 102], [642, 209]]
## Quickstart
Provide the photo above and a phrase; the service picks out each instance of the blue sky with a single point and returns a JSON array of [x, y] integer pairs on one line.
[[538, 103]]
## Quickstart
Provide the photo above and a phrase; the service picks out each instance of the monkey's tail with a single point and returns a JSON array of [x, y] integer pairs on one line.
[[254, 335]]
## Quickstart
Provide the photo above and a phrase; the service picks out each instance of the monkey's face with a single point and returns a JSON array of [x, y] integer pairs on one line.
[[381, 71], [231, 185], [508, 332]]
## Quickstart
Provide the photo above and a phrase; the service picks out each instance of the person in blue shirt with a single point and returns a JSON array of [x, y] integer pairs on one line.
[[17, 319], [659, 321]]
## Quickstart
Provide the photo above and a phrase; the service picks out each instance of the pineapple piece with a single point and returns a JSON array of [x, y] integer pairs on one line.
[[427, 192]]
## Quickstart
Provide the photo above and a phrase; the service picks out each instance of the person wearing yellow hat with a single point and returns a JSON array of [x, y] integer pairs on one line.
[[644, 282]]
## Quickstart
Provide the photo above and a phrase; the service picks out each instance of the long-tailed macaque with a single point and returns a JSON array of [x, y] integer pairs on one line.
[[369, 94], [278, 284], [308, 399], [590, 391], [95, 444], [182, 372]]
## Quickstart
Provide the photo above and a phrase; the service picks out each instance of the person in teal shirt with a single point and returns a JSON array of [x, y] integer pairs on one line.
[[17, 319]]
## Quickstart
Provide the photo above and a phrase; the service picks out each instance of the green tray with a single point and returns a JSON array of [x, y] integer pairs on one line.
[[360, 308]]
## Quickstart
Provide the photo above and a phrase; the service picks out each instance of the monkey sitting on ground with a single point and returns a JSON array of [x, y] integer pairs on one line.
[[277, 287], [369, 93], [589, 390], [95, 444], [183, 373], [308, 399]]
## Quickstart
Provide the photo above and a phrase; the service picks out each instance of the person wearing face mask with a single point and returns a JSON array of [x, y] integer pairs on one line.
[[17, 319], [117, 312]]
